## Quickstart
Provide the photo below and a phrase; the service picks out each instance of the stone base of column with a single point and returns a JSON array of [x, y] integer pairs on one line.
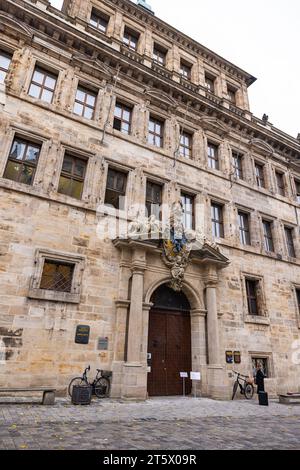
[[134, 386], [218, 386], [117, 379]]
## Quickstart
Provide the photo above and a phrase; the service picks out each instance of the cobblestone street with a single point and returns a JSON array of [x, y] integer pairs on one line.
[[171, 424]]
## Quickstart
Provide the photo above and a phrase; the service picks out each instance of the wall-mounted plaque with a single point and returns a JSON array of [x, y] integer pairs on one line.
[[237, 357], [82, 335], [229, 357], [103, 344]]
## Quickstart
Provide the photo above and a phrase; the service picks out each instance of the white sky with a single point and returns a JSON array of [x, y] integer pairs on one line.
[[260, 36]]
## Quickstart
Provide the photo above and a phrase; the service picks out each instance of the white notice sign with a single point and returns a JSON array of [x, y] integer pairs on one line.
[[184, 375], [195, 376]]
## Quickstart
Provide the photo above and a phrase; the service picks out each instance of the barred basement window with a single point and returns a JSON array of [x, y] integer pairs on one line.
[[237, 165], [290, 242], [116, 189], [252, 296], [43, 84], [213, 156], [99, 21], [122, 118], [22, 161], [5, 60], [153, 200], [156, 132], [85, 101], [186, 145], [72, 176], [57, 276], [217, 221]]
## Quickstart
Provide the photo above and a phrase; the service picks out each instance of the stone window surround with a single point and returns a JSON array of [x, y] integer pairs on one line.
[[52, 68], [293, 228], [213, 139], [294, 288], [16, 132], [263, 355], [262, 319], [84, 155], [88, 87], [41, 294]]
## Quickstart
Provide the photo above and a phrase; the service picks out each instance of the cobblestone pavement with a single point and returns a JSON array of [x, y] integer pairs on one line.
[[172, 424]]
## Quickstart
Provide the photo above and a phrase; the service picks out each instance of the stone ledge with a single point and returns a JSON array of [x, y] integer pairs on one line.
[[54, 296], [257, 320]]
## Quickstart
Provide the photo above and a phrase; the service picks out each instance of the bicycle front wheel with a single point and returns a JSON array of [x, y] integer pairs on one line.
[[102, 387], [76, 381], [235, 386], [249, 391]]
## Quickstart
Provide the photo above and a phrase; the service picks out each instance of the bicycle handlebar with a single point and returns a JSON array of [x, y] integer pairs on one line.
[[241, 375]]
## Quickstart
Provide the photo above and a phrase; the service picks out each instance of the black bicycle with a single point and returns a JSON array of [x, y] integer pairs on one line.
[[246, 387], [100, 385]]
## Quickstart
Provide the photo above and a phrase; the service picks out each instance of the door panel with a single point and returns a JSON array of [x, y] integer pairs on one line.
[[170, 347]]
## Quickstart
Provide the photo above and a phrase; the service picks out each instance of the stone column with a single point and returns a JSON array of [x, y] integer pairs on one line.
[[199, 356], [217, 381], [134, 371]]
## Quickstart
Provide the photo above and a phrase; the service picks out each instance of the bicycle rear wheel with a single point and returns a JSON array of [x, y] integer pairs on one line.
[[75, 381], [249, 391], [102, 387], [235, 386]]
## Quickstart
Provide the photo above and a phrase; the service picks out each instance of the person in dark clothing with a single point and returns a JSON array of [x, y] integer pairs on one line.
[[260, 379]]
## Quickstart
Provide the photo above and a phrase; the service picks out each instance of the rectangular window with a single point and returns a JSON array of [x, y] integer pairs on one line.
[[5, 60], [22, 161], [156, 132], [297, 184], [298, 299], [210, 83], [213, 156], [217, 221], [57, 276], [290, 242], [188, 211], [131, 39], [99, 21], [252, 296], [260, 177], [116, 189], [85, 101], [159, 55], [153, 200], [268, 236], [122, 118], [186, 145], [185, 70], [43, 84], [72, 176], [263, 362], [244, 228], [237, 165], [231, 93], [280, 183]]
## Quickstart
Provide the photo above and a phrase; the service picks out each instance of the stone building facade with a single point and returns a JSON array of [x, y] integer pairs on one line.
[[104, 99]]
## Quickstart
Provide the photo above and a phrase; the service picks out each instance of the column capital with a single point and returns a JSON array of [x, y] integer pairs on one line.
[[122, 303], [198, 312]]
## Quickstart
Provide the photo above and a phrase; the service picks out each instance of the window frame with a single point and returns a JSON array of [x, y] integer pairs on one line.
[[5, 71], [186, 150], [47, 74], [252, 297], [213, 161], [150, 202], [289, 241], [72, 176], [245, 239], [87, 92], [159, 55], [188, 213], [237, 159], [116, 172], [186, 70], [100, 16], [280, 187], [217, 223], [210, 80], [231, 94], [128, 35], [124, 107], [23, 163], [156, 122], [260, 175], [268, 236]]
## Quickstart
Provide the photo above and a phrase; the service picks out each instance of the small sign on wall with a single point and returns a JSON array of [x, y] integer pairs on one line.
[[237, 357], [195, 376], [82, 335], [229, 357], [103, 344]]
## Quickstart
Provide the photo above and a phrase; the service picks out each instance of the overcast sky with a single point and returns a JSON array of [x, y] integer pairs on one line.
[[260, 36]]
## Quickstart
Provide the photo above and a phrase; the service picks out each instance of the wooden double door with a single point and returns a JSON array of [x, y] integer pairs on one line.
[[170, 347]]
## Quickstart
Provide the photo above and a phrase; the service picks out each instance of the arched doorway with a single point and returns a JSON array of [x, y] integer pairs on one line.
[[169, 342]]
